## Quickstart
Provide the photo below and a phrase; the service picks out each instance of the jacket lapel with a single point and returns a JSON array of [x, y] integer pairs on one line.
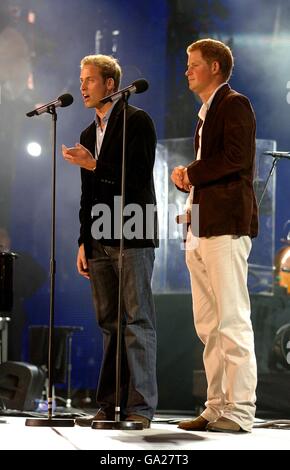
[[91, 138], [113, 119], [196, 136], [210, 120], [210, 116]]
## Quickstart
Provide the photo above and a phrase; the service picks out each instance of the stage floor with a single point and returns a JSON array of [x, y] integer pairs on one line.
[[15, 435]]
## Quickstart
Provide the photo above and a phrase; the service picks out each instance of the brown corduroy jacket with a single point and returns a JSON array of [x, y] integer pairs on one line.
[[223, 177]]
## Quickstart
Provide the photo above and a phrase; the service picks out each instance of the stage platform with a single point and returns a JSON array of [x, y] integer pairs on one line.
[[163, 438]]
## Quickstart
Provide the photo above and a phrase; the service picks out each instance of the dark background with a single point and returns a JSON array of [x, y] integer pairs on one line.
[[149, 38]]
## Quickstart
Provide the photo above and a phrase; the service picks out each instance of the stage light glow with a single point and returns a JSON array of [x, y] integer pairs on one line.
[[34, 149]]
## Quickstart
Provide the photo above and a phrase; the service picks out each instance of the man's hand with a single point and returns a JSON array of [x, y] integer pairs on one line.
[[180, 178], [80, 156], [82, 264]]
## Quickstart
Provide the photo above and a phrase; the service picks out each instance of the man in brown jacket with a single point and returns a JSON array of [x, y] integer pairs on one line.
[[220, 182]]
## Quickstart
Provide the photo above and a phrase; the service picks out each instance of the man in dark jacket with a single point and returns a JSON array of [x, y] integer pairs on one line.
[[220, 182], [99, 155]]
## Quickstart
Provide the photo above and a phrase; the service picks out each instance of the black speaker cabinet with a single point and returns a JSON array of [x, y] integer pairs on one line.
[[20, 385], [6, 281]]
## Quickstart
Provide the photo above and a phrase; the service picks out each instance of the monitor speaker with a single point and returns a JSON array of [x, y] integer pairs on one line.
[[20, 385], [6, 282]]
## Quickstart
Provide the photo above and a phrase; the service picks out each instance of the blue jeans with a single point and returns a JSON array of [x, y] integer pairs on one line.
[[138, 388]]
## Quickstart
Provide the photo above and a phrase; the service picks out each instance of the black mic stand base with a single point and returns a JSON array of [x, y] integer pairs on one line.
[[120, 425], [50, 422]]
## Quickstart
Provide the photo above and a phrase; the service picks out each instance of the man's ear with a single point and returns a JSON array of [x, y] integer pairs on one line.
[[110, 84], [215, 67]]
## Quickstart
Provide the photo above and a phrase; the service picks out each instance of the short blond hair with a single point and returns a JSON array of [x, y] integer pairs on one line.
[[212, 50], [108, 65]]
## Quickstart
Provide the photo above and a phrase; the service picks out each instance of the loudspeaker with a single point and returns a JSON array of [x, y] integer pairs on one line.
[[6, 281], [20, 385], [179, 351], [38, 349]]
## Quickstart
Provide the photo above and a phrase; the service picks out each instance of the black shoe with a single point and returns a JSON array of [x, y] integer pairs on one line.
[[142, 419], [86, 421]]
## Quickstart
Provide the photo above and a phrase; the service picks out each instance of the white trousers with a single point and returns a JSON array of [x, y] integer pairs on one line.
[[221, 310]]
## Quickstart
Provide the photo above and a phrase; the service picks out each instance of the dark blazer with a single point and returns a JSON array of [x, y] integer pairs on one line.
[[223, 177], [102, 185]]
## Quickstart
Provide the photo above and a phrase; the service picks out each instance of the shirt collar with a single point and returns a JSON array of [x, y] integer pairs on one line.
[[205, 107], [106, 116]]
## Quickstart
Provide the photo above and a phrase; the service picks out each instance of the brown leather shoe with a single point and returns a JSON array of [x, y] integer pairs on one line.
[[86, 421], [224, 425], [198, 424], [142, 419]]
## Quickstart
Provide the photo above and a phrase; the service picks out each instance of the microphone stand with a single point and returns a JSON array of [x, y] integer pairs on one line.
[[50, 421], [118, 424], [276, 156]]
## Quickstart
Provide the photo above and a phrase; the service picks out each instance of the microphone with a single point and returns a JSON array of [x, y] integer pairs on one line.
[[62, 101], [275, 154], [138, 86]]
